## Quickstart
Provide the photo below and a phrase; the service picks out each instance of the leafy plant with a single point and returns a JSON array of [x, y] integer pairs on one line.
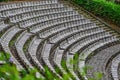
[[4, 0], [103, 8], [10, 72]]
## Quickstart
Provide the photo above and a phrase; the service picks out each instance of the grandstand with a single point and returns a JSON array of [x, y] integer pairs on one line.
[[49, 32]]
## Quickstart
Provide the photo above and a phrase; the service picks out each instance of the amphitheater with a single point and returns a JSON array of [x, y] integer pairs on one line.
[[48, 32]]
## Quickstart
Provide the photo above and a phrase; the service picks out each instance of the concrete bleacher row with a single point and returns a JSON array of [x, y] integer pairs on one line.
[[9, 6], [119, 71], [102, 62], [46, 33], [115, 67]]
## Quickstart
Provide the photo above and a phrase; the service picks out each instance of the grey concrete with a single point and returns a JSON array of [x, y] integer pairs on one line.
[[98, 61], [5, 39]]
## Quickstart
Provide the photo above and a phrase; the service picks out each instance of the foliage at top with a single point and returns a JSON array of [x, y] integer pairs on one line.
[[103, 8]]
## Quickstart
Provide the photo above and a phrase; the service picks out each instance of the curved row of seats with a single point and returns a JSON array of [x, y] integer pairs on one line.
[[115, 67], [119, 71], [46, 33], [25, 35], [102, 60], [5, 39]]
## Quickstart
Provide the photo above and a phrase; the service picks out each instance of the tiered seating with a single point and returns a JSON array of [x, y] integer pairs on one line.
[[34, 13], [94, 46], [54, 21], [73, 38], [83, 44], [32, 51], [5, 39], [119, 71], [18, 44], [101, 61], [2, 25], [21, 7], [115, 67], [19, 47], [45, 33]]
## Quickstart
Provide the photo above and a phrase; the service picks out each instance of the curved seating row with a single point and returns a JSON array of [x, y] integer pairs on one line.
[[16, 5], [46, 33], [102, 60], [5, 39], [115, 67]]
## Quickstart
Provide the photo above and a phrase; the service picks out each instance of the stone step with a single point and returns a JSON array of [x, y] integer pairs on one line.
[[19, 47], [5, 40]]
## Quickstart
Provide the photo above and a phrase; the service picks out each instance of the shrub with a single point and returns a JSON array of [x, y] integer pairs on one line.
[[10, 72], [4, 0], [103, 8]]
